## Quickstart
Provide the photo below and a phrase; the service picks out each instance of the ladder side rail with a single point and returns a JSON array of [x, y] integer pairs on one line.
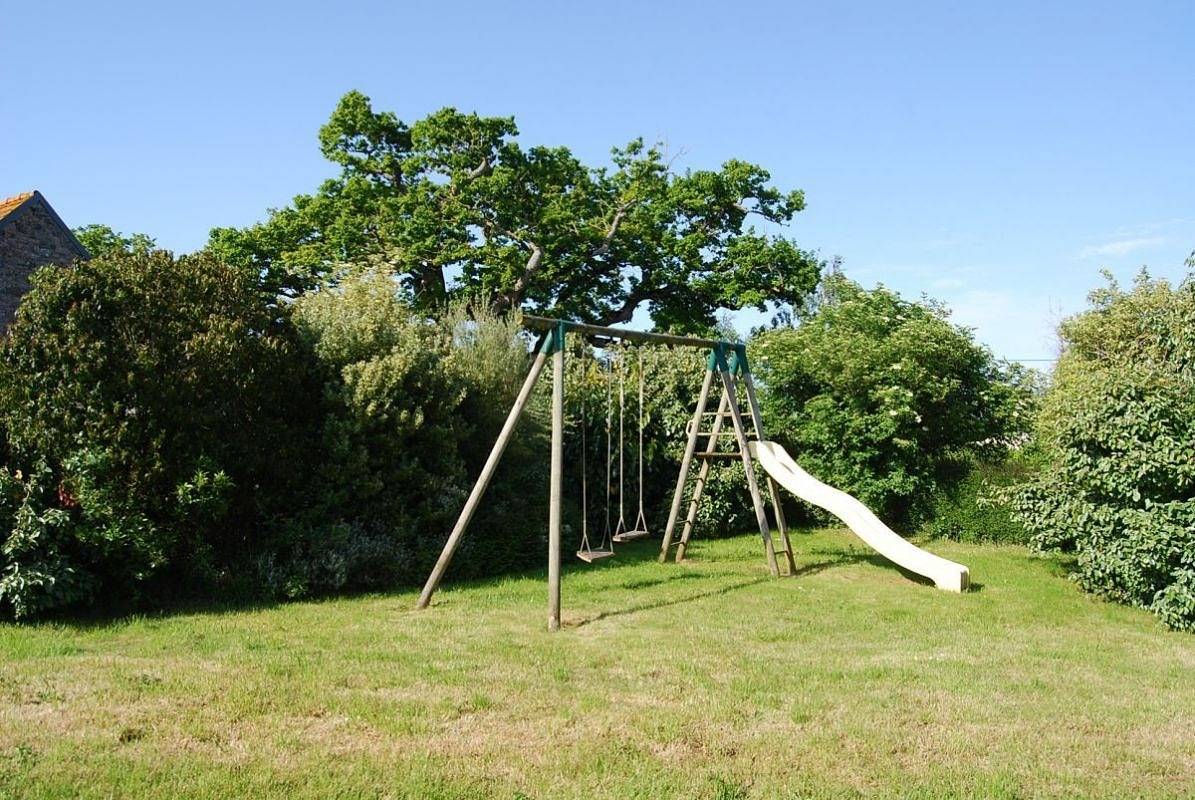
[[702, 477], [773, 491], [687, 460], [761, 514]]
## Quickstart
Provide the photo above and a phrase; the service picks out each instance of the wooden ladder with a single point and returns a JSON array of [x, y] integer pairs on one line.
[[742, 428]]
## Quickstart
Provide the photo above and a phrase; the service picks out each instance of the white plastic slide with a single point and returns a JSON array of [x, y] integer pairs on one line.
[[867, 526]]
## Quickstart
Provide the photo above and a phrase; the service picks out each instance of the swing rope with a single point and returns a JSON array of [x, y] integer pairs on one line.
[[584, 468], [619, 529], [641, 522], [586, 552], [639, 530]]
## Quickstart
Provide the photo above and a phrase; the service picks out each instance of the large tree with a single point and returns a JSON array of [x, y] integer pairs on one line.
[[102, 240], [455, 205]]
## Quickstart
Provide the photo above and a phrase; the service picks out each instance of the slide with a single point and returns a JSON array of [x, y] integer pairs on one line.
[[867, 526]]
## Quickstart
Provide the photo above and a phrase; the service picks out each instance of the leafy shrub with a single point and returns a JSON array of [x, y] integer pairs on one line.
[[411, 409], [972, 509], [177, 432], [884, 397], [39, 572], [1118, 431], [157, 405]]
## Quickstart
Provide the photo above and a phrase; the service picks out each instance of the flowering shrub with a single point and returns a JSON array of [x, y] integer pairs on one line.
[[411, 407]]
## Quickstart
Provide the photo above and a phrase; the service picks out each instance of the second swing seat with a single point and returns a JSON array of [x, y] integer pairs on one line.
[[630, 536]]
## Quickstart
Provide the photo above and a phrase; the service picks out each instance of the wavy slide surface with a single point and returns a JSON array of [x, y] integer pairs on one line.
[[867, 526]]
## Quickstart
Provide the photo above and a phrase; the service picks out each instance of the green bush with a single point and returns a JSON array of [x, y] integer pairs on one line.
[[972, 509], [884, 397], [411, 409], [40, 568], [174, 432], [156, 406], [1118, 431]]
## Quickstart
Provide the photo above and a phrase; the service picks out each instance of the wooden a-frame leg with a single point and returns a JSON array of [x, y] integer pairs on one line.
[[686, 462], [699, 487], [483, 481], [782, 526], [773, 492], [761, 514], [556, 488]]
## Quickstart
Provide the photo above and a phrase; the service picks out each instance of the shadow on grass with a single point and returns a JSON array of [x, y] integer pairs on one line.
[[113, 616], [633, 554], [651, 605], [648, 583], [856, 556], [663, 603]]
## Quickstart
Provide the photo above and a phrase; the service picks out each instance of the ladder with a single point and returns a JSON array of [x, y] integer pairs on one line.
[[712, 430]]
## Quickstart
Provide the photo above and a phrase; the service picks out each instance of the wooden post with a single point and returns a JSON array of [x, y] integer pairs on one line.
[[483, 481], [757, 421], [556, 483], [761, 514], [690, 448], [702, 476]]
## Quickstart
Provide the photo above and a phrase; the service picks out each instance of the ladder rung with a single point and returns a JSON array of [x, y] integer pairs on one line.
[[747, 429], [702, 454]]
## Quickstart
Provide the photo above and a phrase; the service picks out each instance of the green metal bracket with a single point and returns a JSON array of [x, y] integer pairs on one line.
[[735, 364], [553, 339], [740, 360], [717, 359]]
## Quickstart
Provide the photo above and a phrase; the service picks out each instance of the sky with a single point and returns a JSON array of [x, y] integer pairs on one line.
[[994, 156]]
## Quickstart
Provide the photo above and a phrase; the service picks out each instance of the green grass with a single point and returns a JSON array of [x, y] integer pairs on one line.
[[705, 680]]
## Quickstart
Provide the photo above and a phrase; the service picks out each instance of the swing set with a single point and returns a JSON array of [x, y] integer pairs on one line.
[[727, 363]]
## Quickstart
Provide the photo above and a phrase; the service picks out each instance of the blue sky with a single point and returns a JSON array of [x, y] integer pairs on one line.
[[994, 157]]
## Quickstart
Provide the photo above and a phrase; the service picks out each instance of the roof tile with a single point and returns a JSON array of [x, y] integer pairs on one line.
[[11, 204]]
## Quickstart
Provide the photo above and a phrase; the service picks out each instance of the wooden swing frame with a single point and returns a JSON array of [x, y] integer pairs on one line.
[[727, 363]]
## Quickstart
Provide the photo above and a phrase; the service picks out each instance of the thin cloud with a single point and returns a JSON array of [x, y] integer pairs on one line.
[[1120, 247]]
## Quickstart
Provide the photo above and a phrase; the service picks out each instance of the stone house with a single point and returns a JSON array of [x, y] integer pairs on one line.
[[31, 236]]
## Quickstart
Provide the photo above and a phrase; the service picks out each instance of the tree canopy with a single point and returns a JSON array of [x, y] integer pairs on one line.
[[102, 240], [456, 206]]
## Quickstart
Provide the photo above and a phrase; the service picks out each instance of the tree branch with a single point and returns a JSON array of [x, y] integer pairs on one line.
[[627, 310], [514, 297], [481, 169], [619, 215]]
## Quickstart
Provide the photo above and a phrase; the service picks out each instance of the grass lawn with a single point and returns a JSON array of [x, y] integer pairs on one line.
[[704, 680]]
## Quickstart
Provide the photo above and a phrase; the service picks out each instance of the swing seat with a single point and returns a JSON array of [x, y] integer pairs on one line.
[[591, 555], [630, 536]]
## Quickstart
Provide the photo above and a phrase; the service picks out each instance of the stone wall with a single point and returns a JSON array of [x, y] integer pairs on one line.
[[31, 239]]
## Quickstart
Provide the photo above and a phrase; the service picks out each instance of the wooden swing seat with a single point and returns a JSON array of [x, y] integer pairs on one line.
[[630, 536], [590, 556]]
